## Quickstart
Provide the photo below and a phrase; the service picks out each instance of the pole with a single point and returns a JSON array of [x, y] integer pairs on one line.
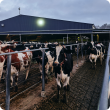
[[82, 46], [19, 10], [10, 38], [43, 74], [109, 35], [77, 54], [8, 82], [71, 47], [20, 37], [85, 54], [91, 37], [67, 38]]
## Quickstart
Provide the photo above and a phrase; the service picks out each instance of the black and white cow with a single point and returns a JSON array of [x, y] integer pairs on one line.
[[63, 65], [48, 60], [94, 52]]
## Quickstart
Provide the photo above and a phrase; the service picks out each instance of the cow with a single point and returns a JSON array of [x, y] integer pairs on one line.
[[77, 49], [19, 62], [2, 61], [63, 65], [48, 59], [94, 52]]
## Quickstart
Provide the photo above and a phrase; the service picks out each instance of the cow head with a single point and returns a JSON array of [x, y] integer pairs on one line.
[[59, 54], [60, 57]]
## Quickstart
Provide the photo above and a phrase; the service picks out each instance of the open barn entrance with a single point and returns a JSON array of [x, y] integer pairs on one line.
[[46, 38], [101, 37], [56, 37]]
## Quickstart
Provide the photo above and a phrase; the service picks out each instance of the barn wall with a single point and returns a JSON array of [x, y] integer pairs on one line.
[[25, 23]]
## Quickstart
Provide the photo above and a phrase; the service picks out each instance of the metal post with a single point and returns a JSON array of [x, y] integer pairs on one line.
[[82, 46], [85, 54], [63, 40], [103, 100], [77, 54], [43, 74], [109, 35], [20, 37], [109, 86], [67, 38], [71, 47], [7, 106], [91, 37]]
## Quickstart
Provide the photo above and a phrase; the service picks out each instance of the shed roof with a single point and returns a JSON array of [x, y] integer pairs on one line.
[[24, 24]]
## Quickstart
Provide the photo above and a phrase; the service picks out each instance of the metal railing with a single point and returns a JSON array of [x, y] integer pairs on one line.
[[103, 101], [43, 69]]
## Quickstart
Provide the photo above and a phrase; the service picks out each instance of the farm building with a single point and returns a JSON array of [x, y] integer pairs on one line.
[[31, 28]]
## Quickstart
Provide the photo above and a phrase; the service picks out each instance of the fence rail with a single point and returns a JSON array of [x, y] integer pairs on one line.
[[103, 101], [43, 69]]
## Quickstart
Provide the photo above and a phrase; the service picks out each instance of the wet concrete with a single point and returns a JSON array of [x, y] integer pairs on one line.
[[84, 93]]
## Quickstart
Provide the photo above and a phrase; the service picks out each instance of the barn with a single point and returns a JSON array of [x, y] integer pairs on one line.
[[28, 28]]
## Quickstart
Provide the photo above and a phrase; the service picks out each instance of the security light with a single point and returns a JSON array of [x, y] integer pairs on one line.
[[2, 25], [40, 22]]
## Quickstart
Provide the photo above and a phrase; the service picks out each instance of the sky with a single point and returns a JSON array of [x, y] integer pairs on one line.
[[88, 11]]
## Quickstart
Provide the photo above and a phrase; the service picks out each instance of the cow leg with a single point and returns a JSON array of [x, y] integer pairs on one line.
[[66, 88], [58, 94], [40, 69], [67, 83], [2, 72], [95, 62], [101, 58], [27, 72], [1, 76], [11, 83], [16, 82], [91, 61], [58, 88], [51, 70], [65, 94], [46, 72]]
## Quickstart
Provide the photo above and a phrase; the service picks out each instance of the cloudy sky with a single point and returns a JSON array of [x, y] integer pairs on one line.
[[88, 11]]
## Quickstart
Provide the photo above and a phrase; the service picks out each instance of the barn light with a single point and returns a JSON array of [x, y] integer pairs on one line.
[[40, 22]]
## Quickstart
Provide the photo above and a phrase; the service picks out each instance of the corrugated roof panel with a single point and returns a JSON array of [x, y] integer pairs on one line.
[[30, 23]]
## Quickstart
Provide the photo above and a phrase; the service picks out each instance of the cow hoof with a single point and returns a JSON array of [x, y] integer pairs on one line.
[[40, 74], [68, 88], [46, 81], [2, 80], [11, 89], [16, 88], [65, 99], [58, 99], [91, 67], [24, 82]]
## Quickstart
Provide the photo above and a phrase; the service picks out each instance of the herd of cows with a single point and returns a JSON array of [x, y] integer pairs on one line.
[[57, 59]]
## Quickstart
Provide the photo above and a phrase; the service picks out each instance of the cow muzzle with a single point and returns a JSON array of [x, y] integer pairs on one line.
[[55, 63]]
